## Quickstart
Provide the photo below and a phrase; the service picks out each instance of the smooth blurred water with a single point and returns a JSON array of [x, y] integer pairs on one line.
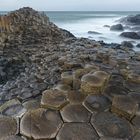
[[79, 23]]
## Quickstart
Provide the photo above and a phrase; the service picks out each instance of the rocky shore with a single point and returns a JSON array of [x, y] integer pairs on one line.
[[54, 86]]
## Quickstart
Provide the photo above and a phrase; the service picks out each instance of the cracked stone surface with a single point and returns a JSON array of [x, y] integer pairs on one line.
[[8, 126], [77, 131], [53, 99], [107, 124], [97, 103], [40, 124], [75, 113]]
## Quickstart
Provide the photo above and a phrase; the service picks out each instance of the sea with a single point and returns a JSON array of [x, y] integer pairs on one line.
[[80, 22]]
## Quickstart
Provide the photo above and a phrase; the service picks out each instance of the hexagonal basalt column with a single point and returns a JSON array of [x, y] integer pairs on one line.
[[12, 108], [107, 124], [97, 103], [77, 131], [40, 124], [124, 106], [75, 113], [91, 84], [8, 126], [67, 78], [109, 138], [53, 99], [63, 88], [76, 97]]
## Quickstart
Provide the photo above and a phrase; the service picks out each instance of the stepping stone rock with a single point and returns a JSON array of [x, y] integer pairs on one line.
[[31, 104], [12, 108], [77, 131], [124, 106], [13, 138], [75, 113], [107, 124], [40, 124], [8, 126], [53, 99], [67, 78], [62, 87], [97, 103], [76, 97], [91, 84]]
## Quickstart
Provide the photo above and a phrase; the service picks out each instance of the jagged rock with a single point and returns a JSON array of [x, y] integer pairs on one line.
[[97, 103], [117, 27], [8, 125], [124, 106], [53, 99], [12, 108], [107, 124], [40, 124], [78, 131], [75, 113], [76, 97]]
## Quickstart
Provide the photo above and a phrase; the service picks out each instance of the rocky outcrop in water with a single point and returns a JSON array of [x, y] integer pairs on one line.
[[56, 86]]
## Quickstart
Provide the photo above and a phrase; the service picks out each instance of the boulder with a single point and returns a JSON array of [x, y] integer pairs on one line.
[[117, 27], [138, 45], [127, 44], [40, 124], [131, 35]]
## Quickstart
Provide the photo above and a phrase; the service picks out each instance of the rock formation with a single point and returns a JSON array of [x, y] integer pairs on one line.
[[56, 86]]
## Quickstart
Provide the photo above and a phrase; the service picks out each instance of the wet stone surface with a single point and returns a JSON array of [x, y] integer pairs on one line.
[[78, 131]]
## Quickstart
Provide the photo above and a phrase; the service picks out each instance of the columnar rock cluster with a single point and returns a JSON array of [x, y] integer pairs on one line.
[[55, 86]]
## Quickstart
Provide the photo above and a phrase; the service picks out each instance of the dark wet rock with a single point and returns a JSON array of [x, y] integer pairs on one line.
[[131, 20], [132, 35], [40, 124], [126, 44], [138, 45], [94, 32], [78, 131], [53, 99], [12, 108], [67, 33], [107, 124], [97, 103], [124, 106], [9, 126], [107, 26], [117, 27], [76, 97], [75, 113]]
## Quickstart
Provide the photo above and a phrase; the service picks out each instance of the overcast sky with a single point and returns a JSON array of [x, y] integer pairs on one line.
[[72, 5]]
